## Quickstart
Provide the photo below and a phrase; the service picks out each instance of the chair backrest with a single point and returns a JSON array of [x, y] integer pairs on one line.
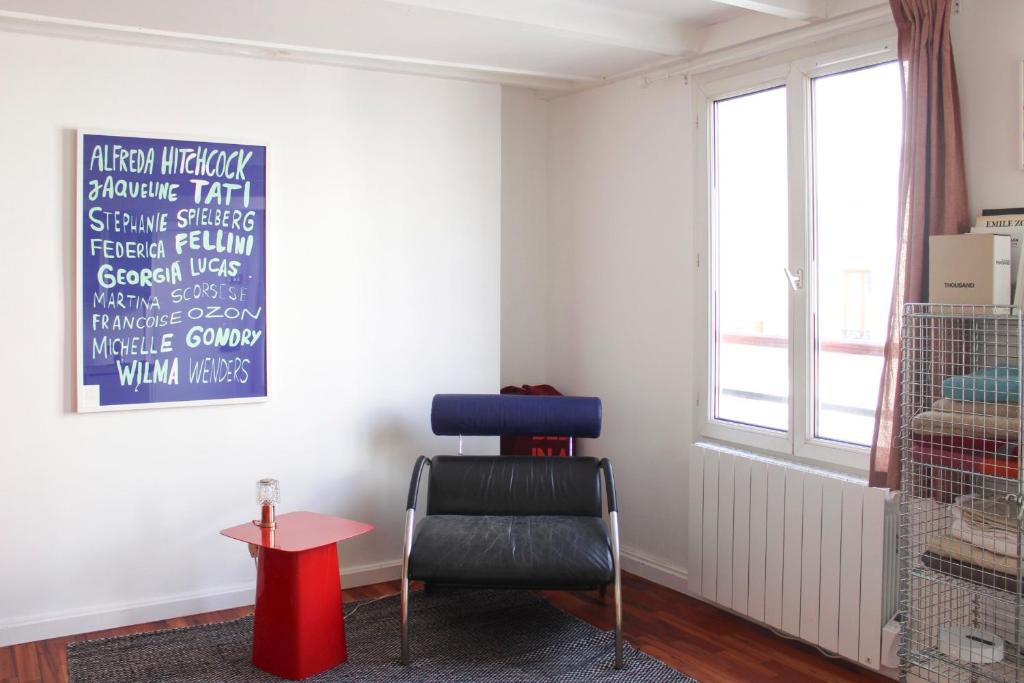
[[512, 485]]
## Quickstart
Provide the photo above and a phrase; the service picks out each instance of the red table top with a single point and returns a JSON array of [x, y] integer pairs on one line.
[[297, 531]]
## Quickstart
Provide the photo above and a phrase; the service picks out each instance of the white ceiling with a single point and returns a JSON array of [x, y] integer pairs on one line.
[[548, 43]]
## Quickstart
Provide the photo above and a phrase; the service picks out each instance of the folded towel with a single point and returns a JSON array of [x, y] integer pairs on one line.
[[946, 405], [970, 572], [1000, 543], [962, 551], [992, 512], [989, 522], [972, 425], [999, 384]]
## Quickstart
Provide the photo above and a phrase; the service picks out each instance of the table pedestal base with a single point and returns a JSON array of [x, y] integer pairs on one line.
[[299, 627]]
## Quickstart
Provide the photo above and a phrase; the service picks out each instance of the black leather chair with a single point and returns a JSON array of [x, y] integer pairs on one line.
[[513, 522]]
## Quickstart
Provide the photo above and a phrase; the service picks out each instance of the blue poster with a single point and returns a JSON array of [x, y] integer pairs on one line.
[[171, 282]]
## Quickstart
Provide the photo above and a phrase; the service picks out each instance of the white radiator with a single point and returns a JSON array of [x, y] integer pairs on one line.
[[808, 552]]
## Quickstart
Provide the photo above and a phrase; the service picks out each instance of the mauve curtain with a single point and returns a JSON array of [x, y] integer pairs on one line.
[[933, 193]]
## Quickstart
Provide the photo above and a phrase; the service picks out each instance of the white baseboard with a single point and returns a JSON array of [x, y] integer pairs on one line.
[[100, 617], [366, 574], [653, 569], [73, 622]]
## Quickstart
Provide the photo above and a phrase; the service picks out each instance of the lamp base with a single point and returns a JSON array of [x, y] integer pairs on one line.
[[267, 520]]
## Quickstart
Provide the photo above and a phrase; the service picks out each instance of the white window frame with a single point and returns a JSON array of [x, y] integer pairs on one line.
[[794, 70]]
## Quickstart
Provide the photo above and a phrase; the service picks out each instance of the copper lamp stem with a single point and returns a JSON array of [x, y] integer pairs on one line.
[[267, 519]]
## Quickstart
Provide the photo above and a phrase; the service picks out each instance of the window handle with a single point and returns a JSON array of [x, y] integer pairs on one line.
[[796, 280]]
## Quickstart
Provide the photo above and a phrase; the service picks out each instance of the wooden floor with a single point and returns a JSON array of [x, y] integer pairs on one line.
[[691, 636]]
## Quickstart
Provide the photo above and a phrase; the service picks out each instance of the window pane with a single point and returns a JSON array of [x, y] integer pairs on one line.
[[751, 354], [857, 136]]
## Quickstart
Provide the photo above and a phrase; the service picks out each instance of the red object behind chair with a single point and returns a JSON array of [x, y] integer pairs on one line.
[[540, 445]]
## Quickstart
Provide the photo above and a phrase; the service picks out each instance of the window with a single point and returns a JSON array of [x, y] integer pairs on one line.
[[802, 176], [752, 341]]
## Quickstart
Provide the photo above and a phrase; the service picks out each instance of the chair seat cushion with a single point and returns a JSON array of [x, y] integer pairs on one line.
[[537, 551]]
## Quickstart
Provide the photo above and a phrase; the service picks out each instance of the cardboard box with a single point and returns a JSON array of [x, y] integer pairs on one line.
[[969, 269]]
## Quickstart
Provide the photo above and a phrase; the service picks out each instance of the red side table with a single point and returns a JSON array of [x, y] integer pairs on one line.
[[299, 627]]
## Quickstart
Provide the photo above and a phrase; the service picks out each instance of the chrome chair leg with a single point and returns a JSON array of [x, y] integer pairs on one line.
[[613, 519], [405, 620], [406, 548]]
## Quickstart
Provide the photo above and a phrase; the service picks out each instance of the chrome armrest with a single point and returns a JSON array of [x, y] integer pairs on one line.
[[609, 485], [414, 484]]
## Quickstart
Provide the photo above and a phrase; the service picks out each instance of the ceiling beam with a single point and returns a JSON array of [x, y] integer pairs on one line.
[[37, 24], [787, 9], [580, 21]]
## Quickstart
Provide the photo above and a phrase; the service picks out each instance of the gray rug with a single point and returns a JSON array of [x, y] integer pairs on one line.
[[463, 637]]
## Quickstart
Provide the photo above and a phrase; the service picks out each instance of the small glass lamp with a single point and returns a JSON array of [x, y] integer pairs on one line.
[[268, 495]]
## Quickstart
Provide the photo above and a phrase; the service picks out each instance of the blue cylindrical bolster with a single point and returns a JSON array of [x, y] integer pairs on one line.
[[515, 415]]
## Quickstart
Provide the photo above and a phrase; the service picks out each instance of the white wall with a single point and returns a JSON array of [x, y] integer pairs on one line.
[[986, 46], [383, 289], [620, 301], [620, 292], [524, 265]]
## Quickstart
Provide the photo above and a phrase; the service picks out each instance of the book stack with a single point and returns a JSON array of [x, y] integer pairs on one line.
[[1008, 222]]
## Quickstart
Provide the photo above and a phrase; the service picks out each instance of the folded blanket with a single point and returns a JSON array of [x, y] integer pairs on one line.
[[999, 384], [962, 551], [966, 446], [970, 572], [996, 466], [973, 425], [947, 405], [951, 467], [987, 522], [966, 454], [947, 475]]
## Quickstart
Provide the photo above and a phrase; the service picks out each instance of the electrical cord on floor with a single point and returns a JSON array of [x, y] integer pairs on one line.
[[365, 602], [786, 636]]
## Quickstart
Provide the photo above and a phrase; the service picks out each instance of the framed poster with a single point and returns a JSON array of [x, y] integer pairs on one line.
[[171, 283]]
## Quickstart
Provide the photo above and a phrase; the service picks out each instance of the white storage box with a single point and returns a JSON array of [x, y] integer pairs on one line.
[[1013, 227]]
